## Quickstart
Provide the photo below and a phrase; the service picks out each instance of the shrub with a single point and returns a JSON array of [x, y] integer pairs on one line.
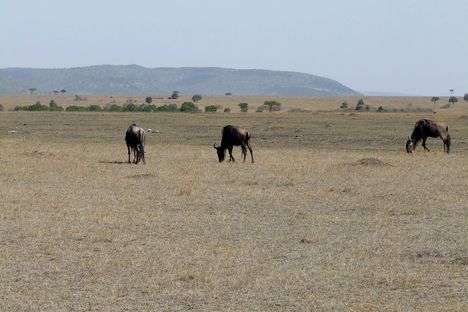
[[131, 107], [147, 108], [94, 108], [188, 107], [37, 107], [149, 100], [259, 109], [360, 105], [344, 105], [1, 108], [244, 107], [465, 97], [167, 108], [381, 109], [114, 108], [211, 109], [227, 110], [76, 108]]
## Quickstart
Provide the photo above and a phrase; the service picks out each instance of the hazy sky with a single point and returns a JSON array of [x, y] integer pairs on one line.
[[417, 47]]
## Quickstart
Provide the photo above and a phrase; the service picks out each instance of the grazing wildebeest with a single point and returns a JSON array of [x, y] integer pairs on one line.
[[425, 128], [233, 136], [135, 138]]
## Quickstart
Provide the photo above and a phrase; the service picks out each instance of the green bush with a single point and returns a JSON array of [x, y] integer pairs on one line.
[[37, 107], [147, 108], [344, 105], [188, 107], [380, 109], [244, 107], [76, 108], [167, 108], [196, 98], [259, 109], [94, 108], [211, 109], [227, 110], [114, 108]]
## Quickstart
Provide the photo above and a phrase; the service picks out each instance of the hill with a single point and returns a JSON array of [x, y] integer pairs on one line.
[[134, 79]]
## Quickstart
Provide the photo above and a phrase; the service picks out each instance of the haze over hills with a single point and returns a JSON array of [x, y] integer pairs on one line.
[[134, 79]]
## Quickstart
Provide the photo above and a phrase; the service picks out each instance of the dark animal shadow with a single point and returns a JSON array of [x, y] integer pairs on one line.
[[115, 162]]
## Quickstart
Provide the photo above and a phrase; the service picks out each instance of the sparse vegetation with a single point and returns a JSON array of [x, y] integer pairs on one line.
[[333, 216]]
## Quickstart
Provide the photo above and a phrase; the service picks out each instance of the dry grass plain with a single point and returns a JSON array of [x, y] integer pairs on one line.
[[334, 215]]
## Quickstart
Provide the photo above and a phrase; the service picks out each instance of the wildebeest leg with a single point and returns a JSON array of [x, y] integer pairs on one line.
[[251, 154], [424, 144], [128, 149], [230, 154], [244, 151]]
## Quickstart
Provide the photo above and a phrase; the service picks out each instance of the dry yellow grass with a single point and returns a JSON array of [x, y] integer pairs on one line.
[[334, 215]]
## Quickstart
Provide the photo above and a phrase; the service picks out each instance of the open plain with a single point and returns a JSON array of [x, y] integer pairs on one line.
[[333, 215]]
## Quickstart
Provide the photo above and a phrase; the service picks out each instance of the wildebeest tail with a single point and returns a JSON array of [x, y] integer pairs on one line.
[[448, 142]]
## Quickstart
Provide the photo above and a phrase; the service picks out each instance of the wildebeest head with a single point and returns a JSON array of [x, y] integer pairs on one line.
[[221, 152], [409, 146]]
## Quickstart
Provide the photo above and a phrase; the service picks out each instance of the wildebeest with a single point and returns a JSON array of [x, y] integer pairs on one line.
[[135, 138], [233, 136], [425, 128]]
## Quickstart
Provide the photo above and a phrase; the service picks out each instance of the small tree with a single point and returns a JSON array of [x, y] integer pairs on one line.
[[63, 91], [228, 94], [32, 90], [174, 95], [453, 100], [196, 98], [381, 109], [344, 105], [244, 107], [465, 97], [149, 100], [272, 106], [188, 107], [360, 105]]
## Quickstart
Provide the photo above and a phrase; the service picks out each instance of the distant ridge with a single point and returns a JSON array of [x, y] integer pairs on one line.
[[135, 79]]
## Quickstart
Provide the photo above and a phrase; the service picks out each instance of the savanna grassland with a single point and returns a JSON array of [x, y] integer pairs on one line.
[[333, 214]]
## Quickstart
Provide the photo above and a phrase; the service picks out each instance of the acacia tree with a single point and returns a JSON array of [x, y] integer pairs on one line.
[[32, 90], [465, 97], [149, 100], [196, 98]]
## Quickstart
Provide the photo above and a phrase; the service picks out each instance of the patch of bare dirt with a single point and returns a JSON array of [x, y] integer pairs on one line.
[[370, 161]]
